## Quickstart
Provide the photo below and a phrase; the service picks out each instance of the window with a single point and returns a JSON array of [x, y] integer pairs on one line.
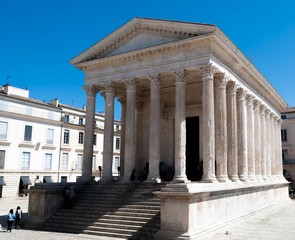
[[3, 130], [93, 162], [28, 133], [94, 140], [79, 162], [66, 118], [80, 121], [81, 137], [25, 162], [284, 135], [285, 154], [47, 161], [49, 138], [283, 117], [117, 163], [66, 136], [118, 143], [64, 162], [2, 159], [117, 128]]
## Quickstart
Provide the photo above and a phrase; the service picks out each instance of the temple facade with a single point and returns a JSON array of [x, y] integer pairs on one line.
[[194, 107], [189, 99]]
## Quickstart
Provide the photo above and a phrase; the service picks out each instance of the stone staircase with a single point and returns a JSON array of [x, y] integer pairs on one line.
[[111, 210]]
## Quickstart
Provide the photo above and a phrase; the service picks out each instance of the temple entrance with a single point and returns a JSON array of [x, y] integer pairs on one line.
[[193, 170]]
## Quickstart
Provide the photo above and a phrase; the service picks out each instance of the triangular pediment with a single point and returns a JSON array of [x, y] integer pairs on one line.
[[141, 41], [142, 33]]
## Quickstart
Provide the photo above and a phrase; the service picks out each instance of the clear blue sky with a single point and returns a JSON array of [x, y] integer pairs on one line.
[[39, 37]]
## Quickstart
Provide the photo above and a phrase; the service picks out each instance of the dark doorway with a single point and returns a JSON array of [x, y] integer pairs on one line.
[[192, 149]]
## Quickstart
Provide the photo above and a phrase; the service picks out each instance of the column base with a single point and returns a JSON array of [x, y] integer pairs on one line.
[[234, 178], [180, 179], [223, 179], [209, 180]]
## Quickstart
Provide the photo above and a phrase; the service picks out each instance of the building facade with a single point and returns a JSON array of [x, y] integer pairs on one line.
[[43, 142], [194, 104], [288, 142]]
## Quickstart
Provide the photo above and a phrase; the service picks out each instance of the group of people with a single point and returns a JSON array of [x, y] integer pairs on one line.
[[14, 217]]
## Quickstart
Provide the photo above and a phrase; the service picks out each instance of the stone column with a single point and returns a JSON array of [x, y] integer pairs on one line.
[[89, 133], [154, 138], [250, 137], [139, 132], [221, 128], [276, 151], [108, 140], [280, 158], [267, 146], [242, 135], [273, 146], [257, 140], [122, 100], [180, 127], [232, 147], [130, 142], [262, 142], [208, 131]]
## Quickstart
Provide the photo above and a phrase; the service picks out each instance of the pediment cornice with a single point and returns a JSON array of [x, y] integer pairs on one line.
[[174, 29]]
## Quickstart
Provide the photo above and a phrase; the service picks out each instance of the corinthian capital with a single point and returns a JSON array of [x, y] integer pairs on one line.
[[241, 92], [91, 90], [180, 75], [154, 78], [208, 70], [232, 87], [109, 87], [130, 84], [220, 80]]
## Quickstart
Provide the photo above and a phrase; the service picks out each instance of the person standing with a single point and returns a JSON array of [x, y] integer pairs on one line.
[[132, 180], [10, 218], [18, 216]]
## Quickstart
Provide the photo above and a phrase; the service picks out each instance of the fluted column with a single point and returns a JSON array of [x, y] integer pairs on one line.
[[154, 137], [89, 133], [208, 129], [221, 128], [257, 140], [280, 159], [267, 142], [180, 127], [122, 100], [277, 140], [130, 142], [250, 138], [108, 141], [232, 147], [138, 139], [262, 142], [273, 146], [242, 135]]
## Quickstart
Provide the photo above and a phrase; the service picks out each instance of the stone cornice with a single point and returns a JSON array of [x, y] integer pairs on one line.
[[220, 46]]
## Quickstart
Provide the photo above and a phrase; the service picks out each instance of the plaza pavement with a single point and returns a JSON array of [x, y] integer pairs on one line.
[[275, 223]]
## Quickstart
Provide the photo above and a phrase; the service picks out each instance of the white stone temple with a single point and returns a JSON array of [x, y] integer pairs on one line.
[[193, 105]]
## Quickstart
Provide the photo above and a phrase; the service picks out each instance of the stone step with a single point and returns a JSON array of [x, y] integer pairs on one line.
[[111, 210]]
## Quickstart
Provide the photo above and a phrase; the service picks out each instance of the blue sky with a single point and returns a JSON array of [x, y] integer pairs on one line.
[[38, 38]]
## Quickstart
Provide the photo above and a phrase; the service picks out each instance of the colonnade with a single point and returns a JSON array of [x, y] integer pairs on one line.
[[240, 133]]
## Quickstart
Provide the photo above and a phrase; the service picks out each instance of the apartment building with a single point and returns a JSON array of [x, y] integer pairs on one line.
[[43, 142], [288, 142]]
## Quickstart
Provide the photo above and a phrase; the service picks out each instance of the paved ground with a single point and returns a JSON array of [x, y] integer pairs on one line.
[[277, 223]]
